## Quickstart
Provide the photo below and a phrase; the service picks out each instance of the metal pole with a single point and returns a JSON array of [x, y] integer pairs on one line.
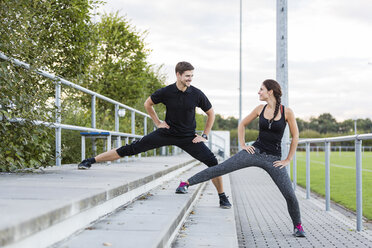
[[240, 69], [108, 146], [145, 125], [117, 118], [240, 65], [118, 139], [327, 148], [282, 63], [82, 147], [155, 148], [294, 171], [145, 129], [58, 120], [94, 147], [126, 143], [359, 198], [307, 170], [133, 122]]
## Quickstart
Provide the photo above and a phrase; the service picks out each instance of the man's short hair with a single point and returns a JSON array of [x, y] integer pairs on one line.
[[183, 66]]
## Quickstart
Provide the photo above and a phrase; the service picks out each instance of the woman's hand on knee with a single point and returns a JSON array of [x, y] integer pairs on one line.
[[249, 149]]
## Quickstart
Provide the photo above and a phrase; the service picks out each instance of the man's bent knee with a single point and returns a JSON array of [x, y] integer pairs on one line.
[[126, 150], [212, 161]]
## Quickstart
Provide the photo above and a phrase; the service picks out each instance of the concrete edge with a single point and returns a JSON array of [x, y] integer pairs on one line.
[[227, 214], [171, 234], [43, 231]]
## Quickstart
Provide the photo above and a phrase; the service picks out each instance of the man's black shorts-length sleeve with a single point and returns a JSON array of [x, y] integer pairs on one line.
[[204, 103], [158, 96]]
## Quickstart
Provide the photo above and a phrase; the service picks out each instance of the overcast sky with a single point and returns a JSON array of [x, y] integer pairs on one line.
[[329, 50]]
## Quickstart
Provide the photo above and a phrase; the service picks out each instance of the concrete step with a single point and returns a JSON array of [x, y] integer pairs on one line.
[[153, 220], [208, 225], [40, 209]]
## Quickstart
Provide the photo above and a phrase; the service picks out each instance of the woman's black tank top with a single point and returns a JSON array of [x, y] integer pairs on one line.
[[270, 136]]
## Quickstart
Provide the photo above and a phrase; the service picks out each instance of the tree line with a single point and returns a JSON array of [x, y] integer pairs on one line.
[[325, 125], [108, 56]]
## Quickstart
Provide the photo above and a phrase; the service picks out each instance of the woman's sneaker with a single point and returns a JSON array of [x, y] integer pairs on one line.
[[182, 188], [299, 231]]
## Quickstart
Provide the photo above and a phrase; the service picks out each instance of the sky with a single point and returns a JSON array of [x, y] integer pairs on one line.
[[329, 50]]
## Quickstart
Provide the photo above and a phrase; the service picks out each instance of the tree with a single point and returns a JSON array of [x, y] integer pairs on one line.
[[324, 123], [51, 35]]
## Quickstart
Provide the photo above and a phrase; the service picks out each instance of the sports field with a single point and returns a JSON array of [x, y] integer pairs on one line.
[[343, 188]]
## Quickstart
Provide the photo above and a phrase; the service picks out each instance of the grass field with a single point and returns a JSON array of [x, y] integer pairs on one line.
[[343, 188]]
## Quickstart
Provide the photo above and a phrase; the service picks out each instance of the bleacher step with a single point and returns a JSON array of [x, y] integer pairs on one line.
[[39, 210], [153, 220]]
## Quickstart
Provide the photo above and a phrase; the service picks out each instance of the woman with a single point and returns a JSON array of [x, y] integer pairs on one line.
[[265, 151]]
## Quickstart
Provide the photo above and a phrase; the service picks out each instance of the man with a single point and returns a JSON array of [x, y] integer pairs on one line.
[[178, 129]]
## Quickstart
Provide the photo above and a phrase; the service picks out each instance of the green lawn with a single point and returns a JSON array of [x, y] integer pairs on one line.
[[343, 188]]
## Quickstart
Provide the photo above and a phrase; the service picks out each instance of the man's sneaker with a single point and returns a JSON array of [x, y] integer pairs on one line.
[[85, 164], [182, 188], [224, 202], [299, 231]]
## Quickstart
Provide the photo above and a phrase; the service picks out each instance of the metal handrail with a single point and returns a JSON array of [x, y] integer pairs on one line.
[[327, 144], [59, 126], [68, 83], [58, 81]]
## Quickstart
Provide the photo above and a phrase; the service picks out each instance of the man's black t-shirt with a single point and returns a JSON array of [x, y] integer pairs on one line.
[[180, 115]]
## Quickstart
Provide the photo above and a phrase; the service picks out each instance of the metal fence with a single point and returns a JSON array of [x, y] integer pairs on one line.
[[59, 126], [327, 148]]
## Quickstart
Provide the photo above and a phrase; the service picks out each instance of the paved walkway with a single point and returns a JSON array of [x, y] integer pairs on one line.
[[263, 220]]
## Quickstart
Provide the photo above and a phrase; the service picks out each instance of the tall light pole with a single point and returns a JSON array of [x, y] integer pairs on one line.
[[240, 69], [282, 63], [240, 64]]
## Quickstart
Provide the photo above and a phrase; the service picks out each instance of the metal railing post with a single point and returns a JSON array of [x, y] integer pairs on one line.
[[210, 141], [117, 118], [94, 147], [133, 122], [327, 148], [145, 125], [155, 148], [294, 173], [109, 145], [82, 147], [126, 143], [145, 129], [118, 144], [307, 170], [118, 139], [58, 120], [359, 198]]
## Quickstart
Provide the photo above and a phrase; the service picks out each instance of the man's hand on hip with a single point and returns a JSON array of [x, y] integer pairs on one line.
[[198, 139], [163, 124]]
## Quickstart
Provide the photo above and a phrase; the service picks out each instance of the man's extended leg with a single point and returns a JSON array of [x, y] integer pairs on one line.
[[152, 140]]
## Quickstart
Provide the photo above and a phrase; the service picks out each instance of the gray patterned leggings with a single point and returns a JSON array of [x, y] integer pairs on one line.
[[243, 159]]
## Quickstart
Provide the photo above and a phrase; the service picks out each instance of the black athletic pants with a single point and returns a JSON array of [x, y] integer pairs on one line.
[[160, 138]]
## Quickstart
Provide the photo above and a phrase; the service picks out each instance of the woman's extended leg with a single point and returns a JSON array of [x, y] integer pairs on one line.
[[283, 182], [240, 160]]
